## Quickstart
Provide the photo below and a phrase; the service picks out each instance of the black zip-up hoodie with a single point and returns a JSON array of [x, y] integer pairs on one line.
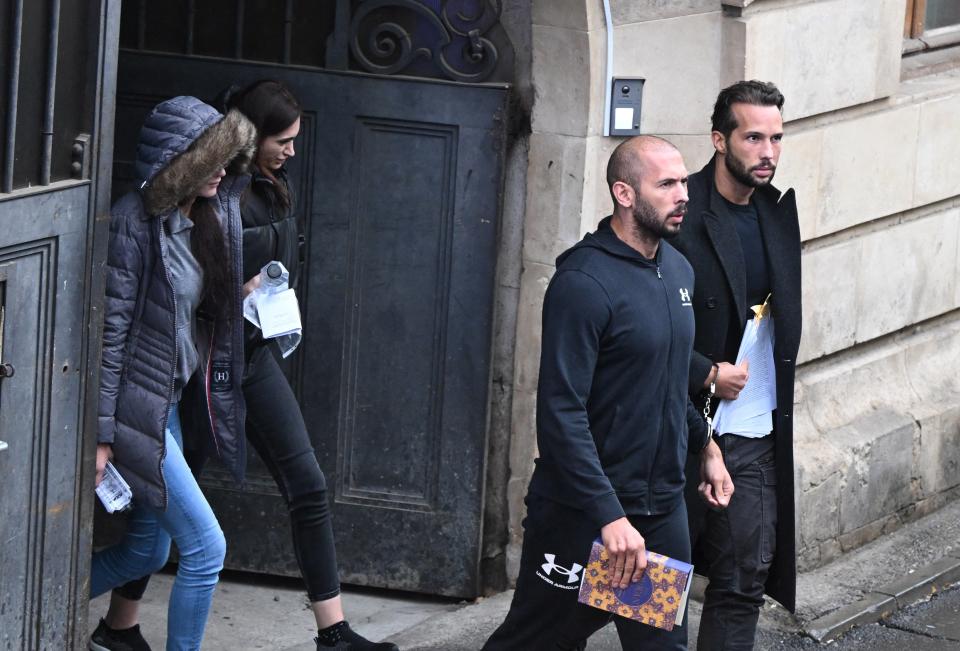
[[613, 414]]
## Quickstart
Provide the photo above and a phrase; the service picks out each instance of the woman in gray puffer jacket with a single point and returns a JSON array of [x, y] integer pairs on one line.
[[173, 343]]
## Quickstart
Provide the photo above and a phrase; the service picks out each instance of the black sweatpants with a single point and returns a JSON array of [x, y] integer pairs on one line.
[[276, 429], [545, 614]]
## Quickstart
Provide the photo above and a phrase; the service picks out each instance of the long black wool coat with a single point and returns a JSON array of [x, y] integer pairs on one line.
[[709, 240]]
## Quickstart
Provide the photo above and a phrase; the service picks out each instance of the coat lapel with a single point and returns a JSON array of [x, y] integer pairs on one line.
[[770, 233], [777, 239], [726, 244]]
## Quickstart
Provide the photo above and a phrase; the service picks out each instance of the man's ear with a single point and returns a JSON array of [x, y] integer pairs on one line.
[[623, 194], [719, 142]]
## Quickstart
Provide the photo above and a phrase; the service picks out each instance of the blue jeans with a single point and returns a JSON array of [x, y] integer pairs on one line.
[[190, 522]]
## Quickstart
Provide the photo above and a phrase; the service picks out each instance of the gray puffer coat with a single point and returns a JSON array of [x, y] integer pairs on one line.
[[183, 143]]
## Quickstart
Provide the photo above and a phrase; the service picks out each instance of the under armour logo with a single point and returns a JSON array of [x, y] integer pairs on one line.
[[684, 296], [572, 574]]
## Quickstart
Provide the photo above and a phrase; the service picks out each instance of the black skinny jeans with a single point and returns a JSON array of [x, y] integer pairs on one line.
[[738, 543], [276, 430]]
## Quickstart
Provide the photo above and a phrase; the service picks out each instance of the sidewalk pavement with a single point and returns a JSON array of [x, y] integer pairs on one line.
[[252, 612]]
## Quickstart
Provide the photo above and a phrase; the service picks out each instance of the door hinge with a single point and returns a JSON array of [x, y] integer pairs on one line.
[[80, 157]]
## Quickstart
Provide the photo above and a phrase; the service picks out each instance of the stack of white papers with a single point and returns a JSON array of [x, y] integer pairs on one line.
[[279, 314], [751, 413], [275, 310]]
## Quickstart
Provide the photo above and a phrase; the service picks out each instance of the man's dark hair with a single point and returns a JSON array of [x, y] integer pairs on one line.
[[757, 93]]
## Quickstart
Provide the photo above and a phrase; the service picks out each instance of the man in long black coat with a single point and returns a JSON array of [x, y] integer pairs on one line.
[[743, 239]]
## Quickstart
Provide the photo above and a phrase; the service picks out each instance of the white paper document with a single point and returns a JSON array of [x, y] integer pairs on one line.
[[279, 314], [250, 308], [273, 308], [750, 414]]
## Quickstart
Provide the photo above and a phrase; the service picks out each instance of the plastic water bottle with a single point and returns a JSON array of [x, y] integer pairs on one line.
[[274, 278]]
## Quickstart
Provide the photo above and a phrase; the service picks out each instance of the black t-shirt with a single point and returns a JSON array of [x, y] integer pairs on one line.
[[746, 220]]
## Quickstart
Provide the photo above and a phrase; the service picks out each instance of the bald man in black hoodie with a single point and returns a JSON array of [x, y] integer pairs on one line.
[[614, 423]]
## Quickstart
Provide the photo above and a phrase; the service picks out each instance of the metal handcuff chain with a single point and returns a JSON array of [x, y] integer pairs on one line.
[[706, 404]]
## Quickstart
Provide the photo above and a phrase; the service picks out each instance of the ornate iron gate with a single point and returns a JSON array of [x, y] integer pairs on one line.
[[457, 40]]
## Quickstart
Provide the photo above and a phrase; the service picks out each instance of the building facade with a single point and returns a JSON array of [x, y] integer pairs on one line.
[[872, 131], [419, 374]]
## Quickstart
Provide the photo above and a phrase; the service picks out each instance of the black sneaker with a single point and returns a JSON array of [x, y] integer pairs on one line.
[[349, 640], [343, 646], [108, 639]]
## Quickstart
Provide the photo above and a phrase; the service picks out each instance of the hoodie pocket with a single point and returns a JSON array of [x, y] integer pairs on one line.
[[602, 440]]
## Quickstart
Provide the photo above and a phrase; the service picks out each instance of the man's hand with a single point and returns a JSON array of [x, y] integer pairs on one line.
[[104, 454], [251, 285], [731, 379], [715, 487], [628, 553]]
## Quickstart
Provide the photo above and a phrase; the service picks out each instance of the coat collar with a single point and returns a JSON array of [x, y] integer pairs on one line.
[[726, 244], [723, 236]]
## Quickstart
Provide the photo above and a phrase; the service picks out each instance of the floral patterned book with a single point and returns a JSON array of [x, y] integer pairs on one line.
[[659, 598]]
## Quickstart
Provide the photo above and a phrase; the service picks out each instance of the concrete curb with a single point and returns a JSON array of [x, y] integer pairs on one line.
[[884, 601]]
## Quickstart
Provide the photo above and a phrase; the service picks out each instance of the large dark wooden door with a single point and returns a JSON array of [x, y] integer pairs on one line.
[[57, 63], [399, 186]]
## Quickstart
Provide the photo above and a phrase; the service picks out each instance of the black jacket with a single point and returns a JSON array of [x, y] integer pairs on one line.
[[710, 242], [183, 143], [271, 230], [612, 406]]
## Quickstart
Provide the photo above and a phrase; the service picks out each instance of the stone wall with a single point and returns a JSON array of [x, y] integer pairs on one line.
[[876, 167]]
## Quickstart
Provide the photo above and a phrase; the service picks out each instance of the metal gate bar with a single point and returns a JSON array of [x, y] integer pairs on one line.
[[238, 31], [191, 19], [47, 132], [13, 87], [287, 31], [142, 25]]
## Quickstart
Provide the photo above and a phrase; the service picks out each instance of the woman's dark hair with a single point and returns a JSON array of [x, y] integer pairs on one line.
[[268, 104], [272, 108], [209, 248], [758, 93]]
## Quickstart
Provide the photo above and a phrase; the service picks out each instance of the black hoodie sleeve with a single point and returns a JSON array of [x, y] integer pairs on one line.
[[697, 436], [576, 311], [700, 368]]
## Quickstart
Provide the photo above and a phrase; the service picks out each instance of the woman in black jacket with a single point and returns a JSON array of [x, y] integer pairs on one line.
[[275, 425], [171, 317]]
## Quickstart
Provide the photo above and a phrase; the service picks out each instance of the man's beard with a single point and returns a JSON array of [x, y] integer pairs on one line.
[[738, 170], [646, 219]]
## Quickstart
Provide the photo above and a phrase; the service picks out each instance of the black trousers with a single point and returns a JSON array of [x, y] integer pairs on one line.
[[276, 429], [738, 545], [545, 613]]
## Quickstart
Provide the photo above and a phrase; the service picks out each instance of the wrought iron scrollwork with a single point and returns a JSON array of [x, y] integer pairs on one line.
[[390, 36]]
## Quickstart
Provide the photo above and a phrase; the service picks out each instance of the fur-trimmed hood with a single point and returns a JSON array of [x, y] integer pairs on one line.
[[183, 143]]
